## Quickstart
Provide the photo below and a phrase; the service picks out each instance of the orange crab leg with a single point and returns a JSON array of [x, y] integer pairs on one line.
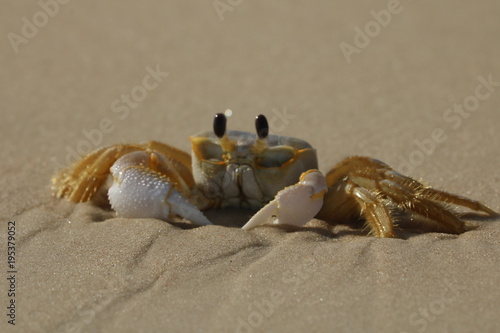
[[81, 181]]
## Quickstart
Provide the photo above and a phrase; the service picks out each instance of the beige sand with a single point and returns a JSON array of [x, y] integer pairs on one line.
[[81, 269]]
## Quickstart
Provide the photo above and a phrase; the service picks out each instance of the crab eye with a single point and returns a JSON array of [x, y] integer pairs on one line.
[[261, 126], [220, 121]]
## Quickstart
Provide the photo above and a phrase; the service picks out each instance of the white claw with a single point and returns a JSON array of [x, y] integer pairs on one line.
[[138, 191], [294, 205]]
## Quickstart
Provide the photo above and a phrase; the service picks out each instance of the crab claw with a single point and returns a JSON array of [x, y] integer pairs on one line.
[[139, 192], [295, 204]]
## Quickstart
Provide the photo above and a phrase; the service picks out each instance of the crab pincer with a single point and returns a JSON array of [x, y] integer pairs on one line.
[[139, 190], [294, 205]]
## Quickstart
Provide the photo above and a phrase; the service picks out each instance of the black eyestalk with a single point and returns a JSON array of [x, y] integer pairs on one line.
[[220, 121], [261, 126]]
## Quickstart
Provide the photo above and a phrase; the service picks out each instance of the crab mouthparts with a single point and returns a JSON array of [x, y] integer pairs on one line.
[[240, 188]]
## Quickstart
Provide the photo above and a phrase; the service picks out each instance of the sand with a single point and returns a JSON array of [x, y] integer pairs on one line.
[[411, 90]]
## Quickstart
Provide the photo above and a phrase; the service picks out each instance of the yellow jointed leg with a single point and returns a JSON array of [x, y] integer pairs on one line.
[[81, 181], [376, 187]]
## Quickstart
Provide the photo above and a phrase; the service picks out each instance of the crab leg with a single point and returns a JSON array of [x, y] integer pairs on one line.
[[458, 200], [374, 186], [294, 205], [80, 181], [140, 191]]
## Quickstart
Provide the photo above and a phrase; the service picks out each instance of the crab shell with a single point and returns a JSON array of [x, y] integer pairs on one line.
[[242, 170]]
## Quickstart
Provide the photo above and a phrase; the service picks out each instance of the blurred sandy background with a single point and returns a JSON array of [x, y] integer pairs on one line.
[[409, 89]]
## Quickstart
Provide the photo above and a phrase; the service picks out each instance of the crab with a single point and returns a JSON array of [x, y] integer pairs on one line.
[[276, 175]]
